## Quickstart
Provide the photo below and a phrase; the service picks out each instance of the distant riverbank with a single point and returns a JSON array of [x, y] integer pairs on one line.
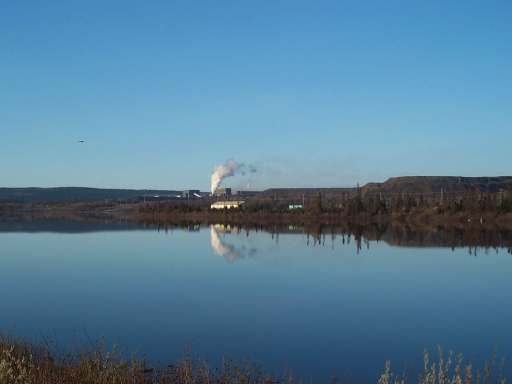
[[416, 216], [413, 217]]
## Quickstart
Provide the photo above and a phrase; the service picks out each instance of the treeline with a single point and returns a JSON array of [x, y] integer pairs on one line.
[[357, 204], [402, 203], [9, 208], [163, 207], [399, 203]]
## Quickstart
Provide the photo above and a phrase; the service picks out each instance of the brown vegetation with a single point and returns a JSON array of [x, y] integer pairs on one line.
[[450, 369], [469, 208], [23, 364]]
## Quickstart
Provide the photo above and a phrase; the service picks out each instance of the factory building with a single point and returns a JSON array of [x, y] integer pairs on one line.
[[227, 204], [191, 194], [222, 192]]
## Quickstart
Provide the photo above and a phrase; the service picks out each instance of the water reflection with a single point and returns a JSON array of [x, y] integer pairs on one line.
[[222, 248], [269, 293], [474, 238]]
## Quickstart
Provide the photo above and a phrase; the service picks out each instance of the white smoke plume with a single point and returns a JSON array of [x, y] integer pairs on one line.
[[228, 169]]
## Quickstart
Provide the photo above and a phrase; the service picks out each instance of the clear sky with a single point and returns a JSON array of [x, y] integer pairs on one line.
[[313, 93]]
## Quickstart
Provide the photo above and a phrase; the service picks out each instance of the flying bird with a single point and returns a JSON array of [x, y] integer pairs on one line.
[[81, 141]]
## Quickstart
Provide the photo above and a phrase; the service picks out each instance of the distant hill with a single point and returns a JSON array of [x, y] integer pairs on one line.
[[67, 225], [434, 184], [75, 194], [404, 184], [295, 193]]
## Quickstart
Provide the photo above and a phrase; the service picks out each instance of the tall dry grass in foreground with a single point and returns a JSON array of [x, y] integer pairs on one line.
[[24, 364], [450, 369]]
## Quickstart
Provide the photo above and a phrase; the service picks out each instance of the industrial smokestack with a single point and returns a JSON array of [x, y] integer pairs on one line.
[[228, 169]]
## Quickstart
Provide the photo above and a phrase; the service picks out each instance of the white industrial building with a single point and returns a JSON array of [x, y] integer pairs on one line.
[[227, 204]]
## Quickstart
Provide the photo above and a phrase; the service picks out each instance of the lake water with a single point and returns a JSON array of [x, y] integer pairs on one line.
[[317, 305]]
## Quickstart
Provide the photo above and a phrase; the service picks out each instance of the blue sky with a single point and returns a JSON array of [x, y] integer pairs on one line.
[[313, 93]]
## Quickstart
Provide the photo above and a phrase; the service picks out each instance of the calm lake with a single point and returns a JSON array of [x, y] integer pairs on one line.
[[317, 305]]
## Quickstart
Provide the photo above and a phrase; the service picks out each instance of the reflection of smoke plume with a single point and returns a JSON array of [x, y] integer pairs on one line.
[[228, 251], [222, 249], [230, 168]]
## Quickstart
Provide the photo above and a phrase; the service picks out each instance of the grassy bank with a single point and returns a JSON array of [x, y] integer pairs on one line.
[[21, 363], [24, 364]]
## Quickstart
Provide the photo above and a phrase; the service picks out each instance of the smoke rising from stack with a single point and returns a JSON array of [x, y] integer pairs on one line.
[[228, 169]]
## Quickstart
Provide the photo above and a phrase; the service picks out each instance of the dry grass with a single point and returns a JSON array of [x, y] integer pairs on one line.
[[450, 369], [24, 364]]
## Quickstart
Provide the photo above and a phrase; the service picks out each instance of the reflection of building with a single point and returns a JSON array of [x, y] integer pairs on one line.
[[223, 192], [227, 204], [225, 228]]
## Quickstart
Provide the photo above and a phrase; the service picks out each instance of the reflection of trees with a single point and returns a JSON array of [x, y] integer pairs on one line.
[[473, 238], [362, 236]]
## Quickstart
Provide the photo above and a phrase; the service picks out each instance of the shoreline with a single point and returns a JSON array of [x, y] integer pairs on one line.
[[413, 218], [155, 214], [422, 231]]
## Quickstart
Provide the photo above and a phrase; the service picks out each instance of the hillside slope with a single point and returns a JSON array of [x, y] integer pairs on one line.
[[73, 194], [434, 184]]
